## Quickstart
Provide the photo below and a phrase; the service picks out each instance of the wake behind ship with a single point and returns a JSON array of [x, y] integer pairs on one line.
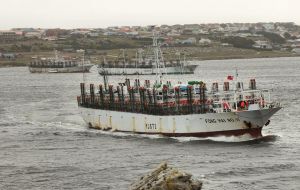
[[189, 109], [59, 64]]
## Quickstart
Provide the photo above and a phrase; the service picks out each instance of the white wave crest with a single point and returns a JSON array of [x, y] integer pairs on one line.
[[241, 138]]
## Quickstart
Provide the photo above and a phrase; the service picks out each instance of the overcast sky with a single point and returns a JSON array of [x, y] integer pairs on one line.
[[103, 13]]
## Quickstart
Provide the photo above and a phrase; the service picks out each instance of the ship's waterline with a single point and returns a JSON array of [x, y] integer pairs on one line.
[[193, 125]]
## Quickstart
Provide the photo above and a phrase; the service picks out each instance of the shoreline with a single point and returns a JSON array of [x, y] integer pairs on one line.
[[235, 58], [15, 64]]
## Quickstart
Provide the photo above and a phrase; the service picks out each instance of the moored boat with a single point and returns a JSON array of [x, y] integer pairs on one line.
[[59, 64], [187, 69], [148, 63]]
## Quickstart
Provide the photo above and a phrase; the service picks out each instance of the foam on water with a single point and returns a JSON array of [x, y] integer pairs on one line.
[[229, 139], [242, 138], [124, 134]]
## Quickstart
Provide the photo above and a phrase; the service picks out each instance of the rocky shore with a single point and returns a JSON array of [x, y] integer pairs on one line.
[[166, 178]]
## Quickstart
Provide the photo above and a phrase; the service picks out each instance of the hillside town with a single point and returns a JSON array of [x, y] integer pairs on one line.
[[281, 37]]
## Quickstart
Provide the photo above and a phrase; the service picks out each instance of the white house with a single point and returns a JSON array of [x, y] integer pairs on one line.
[[262, 45], [93, 34], [173, 32], [191, 40], [205, 41], [269, 26], [33, 34], [296, 50]]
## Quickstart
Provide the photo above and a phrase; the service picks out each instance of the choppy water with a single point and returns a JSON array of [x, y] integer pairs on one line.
[[44, 143]]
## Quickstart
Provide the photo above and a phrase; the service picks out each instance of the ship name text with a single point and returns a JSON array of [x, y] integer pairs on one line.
[[228, 120], [151, 126]]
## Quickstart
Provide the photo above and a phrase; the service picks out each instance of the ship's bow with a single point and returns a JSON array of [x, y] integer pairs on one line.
[[259, 117]]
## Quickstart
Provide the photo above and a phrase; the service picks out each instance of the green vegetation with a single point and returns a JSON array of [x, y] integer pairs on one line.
[[104, 43], [274, 38], [239, 42]]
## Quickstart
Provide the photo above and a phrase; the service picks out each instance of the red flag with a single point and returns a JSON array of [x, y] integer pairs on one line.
[[229, 77]]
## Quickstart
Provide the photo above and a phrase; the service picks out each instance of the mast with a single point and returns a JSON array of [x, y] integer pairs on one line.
[[157, 73], [105, 80], [180, 62], [104, 74], [235, 88], [139, 57], [82, 64], [157, 59], [236, 73], [136, 59], [162, 62], [56, 54], [124, 60], [184, 63], [83, 73]]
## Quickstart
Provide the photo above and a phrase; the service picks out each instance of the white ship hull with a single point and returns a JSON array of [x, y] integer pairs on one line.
[[149, 71], [193, 125], [76, 69]]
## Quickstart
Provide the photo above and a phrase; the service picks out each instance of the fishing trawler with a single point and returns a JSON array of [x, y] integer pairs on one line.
[[144, 64], [58, 64], [189, 109]]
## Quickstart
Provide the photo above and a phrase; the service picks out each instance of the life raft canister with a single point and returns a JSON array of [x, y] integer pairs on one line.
[[262, 102], [226, 105], [242, 104], [196, 102], [209, 101], [171, 104]]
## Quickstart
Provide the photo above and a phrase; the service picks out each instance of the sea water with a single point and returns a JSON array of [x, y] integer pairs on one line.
[[44, 143]]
